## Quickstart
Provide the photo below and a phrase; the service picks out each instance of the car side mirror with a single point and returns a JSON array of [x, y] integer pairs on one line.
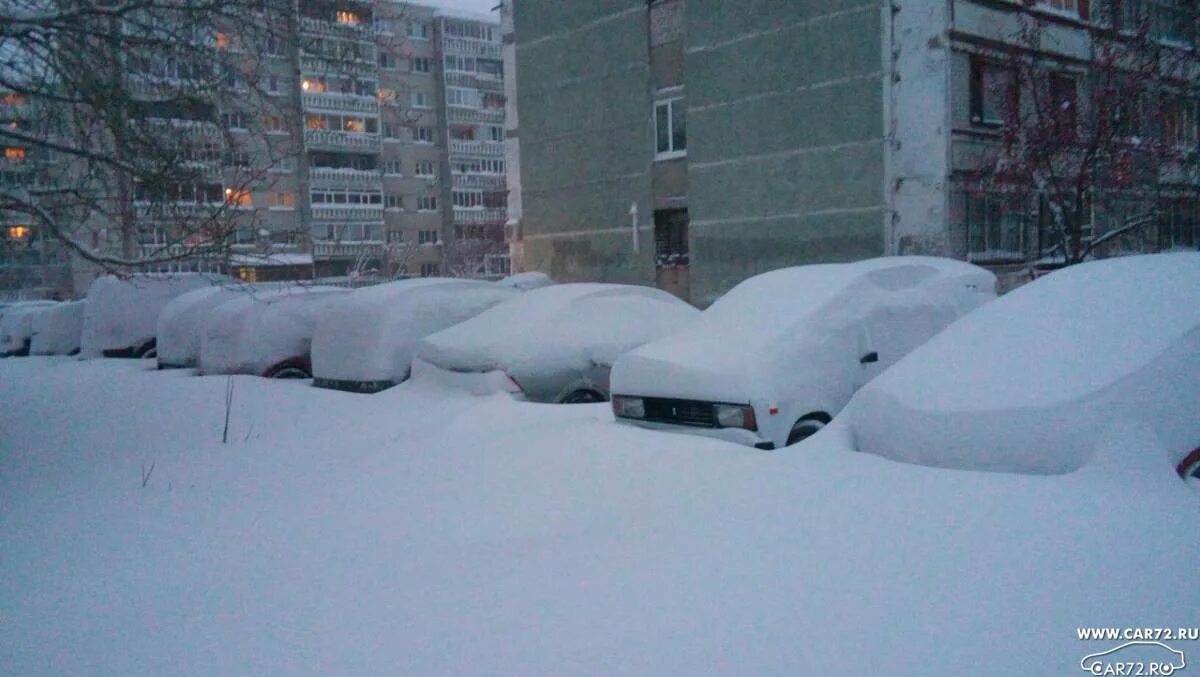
[[869, 358]]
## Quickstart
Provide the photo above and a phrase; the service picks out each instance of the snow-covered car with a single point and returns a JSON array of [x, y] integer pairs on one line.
[[266, 334], [554, 344], [1031, 382], [16, 327], [776, 358], [181, 322], [526, 281], [121, 314], [57, 329], [365, 344]]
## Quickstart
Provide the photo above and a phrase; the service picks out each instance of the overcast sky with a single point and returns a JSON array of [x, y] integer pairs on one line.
[[471, 5]]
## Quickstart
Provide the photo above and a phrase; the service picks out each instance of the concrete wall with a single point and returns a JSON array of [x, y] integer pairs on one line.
[[786, 136], [586, 138]]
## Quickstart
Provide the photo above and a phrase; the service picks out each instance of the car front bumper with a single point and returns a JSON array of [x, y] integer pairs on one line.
[[741, 436]]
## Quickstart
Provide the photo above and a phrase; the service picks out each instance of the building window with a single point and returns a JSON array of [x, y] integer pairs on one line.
[[427, 237], [233, 120], [465, 98], [419, 99], [429, 269], [995, 228], [387, 60], [394, 201], [424, 168], [427, 203], [392, 167], [238, 198], [670, 129], [670, 238], [20, 233], [274, 124], [1179, 123], [1167, 20], [1064, 102], [495, 133], [423, 134], [468, 199], [348, 18], [421, 64], [993, 92], [1178, 225], [14, 153], [418, 30], [1063, 6], [281, 200]]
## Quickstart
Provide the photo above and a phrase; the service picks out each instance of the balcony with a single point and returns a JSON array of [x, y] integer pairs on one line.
[[313, 26], [331, 250], [329, 177], [342, 213], [470, 80], [475, 115], [342, 103], [320, 65], [176, 210], [488, 50], [493, 182], [460, 147], [480, 216], [325, 139]]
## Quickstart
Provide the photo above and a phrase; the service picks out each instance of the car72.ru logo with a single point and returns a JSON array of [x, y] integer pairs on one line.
[[1134, 659]]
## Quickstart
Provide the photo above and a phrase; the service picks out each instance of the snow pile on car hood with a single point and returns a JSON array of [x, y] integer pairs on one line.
[[251, 333], [122, 313], [735, 348], [371, 335], [526, 281], [57, 329], [1027, 383], [181, 321], [566, 326], [16, 324]]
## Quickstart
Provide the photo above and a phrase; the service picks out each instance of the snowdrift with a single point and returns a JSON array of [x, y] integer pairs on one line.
[[366, 341], [254, 334], [1027, 383], [548, 337], [121, 315], [57, 329], [526, 281]]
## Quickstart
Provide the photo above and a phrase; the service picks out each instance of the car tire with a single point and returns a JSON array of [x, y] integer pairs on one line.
[[806, 427], [288, 371], [147, 350], [583, 396]]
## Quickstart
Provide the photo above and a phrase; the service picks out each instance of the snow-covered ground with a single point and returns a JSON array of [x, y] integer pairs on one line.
[[425, 531]]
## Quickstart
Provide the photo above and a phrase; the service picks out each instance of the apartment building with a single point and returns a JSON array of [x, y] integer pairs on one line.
[[376, 152], [694, 143]]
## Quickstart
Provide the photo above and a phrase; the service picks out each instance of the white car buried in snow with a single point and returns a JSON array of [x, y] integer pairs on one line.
[[365, 344], [1030, 383], [121, 315], [181, 322], [554, 344], [777, 357], [16, 327], [57, 329], [266, 334]]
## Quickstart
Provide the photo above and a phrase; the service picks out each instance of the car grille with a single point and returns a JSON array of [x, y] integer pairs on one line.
[[680, 412]]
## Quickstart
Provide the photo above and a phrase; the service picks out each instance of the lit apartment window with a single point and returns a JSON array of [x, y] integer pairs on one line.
[[423, 134], [348, 18], [315, 85], [424, 168], [14, 153], [427, 237], [670, 129], [995, 228], [238, 198], [993, 92], [12, 99], [222, 40], [19, 232], [427, 203], [421, 64], [282, 200]]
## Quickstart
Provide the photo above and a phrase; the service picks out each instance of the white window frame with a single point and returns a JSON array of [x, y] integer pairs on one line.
[[669, 102]]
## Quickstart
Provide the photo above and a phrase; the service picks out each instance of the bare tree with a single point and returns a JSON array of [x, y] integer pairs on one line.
[[1112, 136]]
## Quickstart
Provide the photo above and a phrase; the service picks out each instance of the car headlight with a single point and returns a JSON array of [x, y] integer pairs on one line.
[[735, 416], [628, 407]]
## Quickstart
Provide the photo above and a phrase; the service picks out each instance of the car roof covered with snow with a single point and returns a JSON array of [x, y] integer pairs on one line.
[[1080, 349], [57, 329], [371, 335], [181, 321], [526, 281], [734, 348], [251, 333], [565, 326], [16, 324], [122, 312]]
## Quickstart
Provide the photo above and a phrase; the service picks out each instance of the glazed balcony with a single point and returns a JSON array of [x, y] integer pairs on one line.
[[461, 147], [488, 50], [330, 177], [341, 103], [341, 213], [325, 139]]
